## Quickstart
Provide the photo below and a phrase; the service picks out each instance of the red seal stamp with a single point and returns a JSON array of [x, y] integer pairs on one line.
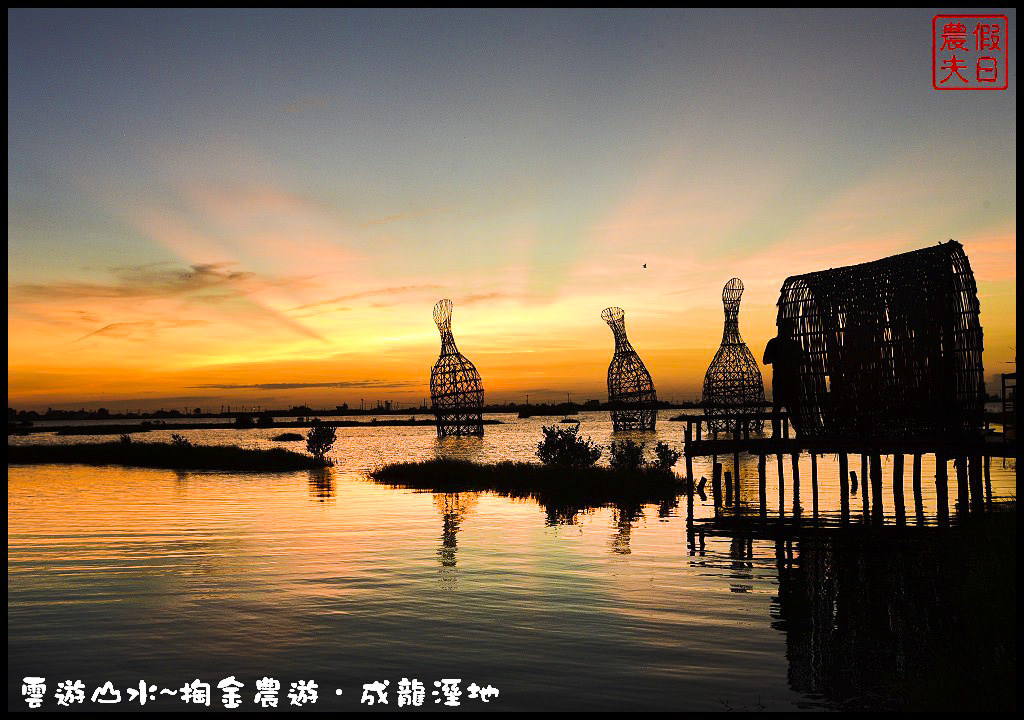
[[970, 52]]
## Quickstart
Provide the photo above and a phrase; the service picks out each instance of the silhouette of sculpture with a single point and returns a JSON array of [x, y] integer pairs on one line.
[[889, 349], [456, 391], [630, 388], [732, 384]]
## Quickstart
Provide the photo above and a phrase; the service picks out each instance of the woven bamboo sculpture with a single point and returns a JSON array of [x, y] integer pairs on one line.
[[630, 388], [890, 349], [456, 392], [732, 383]]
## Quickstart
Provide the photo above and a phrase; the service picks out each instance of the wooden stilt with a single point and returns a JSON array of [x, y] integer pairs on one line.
[[864, 482], [977, 486], [942, 488], [761, 485], [814, 483], [716, 483], [782, 485], [796, 483], [897, 488], [918, 499], [962, 498], [844, 488], [876, 485]]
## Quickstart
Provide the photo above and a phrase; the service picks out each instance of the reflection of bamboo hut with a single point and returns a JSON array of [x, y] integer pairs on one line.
[[889, 349]]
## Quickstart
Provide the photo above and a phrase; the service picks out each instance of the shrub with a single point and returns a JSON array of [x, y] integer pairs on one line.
[[320, 440], [563, 447], [626, 455], [666, 456], [126, 439], [179, 441]]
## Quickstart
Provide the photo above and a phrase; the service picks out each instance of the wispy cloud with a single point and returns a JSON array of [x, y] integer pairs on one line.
[[377, 292], [140, 330], [202, 283]]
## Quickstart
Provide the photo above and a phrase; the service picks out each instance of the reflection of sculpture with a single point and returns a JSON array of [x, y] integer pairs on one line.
[[630, 388], [733, 382], [889, 349], [454, 507], [456, 391]]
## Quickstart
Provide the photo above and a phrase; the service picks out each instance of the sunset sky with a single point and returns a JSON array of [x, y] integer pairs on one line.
[[262, 207]]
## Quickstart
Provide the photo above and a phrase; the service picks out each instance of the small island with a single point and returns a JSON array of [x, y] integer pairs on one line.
[[169, 455]]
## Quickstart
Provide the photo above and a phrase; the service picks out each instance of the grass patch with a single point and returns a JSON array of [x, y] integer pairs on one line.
[[563, 492], [175, 456], [288, 436]]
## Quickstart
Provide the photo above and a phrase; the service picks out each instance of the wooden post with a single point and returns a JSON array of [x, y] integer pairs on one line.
[[864, 482], [960, 464], [977, 498], [761, 485], [796, 483], [782, 484], [716, 483], [736, 461], [942, 487], [876, 485], [918, 499], [689, 457], [988, 481], [814, 483], [844, 488], [897, 488], [728, 488]]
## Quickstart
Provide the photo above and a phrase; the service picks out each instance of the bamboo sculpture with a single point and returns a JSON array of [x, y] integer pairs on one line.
[[630, 388], [456, 391]]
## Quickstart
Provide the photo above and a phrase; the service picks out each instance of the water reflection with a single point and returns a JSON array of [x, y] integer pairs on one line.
[[321, 484], [891, 617], [454, 508]]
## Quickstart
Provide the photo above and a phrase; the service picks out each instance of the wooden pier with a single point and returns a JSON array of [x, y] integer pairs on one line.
[[971, 461]]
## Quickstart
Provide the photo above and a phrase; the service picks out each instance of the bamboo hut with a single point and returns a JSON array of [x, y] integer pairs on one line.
[[890, 349]]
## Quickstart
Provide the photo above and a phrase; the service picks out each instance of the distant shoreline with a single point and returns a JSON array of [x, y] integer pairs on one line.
[[148, 426]]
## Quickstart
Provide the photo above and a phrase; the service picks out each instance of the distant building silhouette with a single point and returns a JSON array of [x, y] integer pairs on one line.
[[630, 388], [732, 383], [887, 349], [456, 391]]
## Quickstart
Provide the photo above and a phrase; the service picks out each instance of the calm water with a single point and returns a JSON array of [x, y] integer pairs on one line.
[[128, 574]]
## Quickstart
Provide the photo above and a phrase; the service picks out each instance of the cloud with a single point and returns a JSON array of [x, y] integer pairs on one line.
[[296, 386], [204, 283], [146, 328], [143, 281], [396, 290]]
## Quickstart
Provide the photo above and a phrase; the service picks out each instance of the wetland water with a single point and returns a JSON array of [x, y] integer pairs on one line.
[[127, 574]]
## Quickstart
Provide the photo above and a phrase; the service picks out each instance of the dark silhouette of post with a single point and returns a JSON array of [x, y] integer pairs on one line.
[[844, 490], [942, 487], [899, 507], [732, 383], [456, 391], [630, 388]]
